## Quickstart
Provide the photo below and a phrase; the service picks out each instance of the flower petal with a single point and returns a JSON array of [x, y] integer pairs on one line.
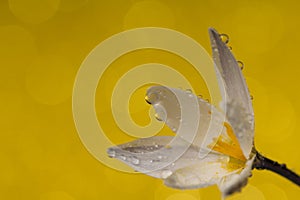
[[175, 108], [236, 99], [154, 155], [179, 109], [143, 154], [236, 181], [202, 172], [213, 132]]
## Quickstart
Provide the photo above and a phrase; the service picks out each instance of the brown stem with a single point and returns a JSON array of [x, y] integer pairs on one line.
[[262, 162]]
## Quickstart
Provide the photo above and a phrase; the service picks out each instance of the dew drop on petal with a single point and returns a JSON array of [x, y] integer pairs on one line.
[[157, 117], [160, 114], [135, 161], [152, 98], [166, 173], [123, 157], [189, 91], [147, 100], [224, 37], [241, 64], [111, 153]]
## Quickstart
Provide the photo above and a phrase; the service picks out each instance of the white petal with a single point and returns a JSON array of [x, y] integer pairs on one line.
[[236, 181], [180, 114], [199, 172], [183, 112], [237, 100], [178, 108], [153, 157], [155, 154], [146, 151]]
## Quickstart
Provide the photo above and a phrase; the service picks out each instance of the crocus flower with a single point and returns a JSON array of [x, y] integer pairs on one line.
[[212, 145]]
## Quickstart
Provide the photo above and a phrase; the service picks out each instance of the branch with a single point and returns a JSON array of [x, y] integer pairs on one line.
[[262, 162]]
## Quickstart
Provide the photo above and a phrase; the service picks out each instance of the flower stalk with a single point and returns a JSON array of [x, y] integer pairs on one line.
[[261, 162]]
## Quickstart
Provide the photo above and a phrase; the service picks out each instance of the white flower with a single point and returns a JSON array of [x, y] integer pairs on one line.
[[211, 146]]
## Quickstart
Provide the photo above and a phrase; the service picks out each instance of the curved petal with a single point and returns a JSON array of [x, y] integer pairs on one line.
[[199, 173], [179, 109], [213, 132], [236, 181], [170, 103], [158, 157], [237, 103], [153, 157], [144, 155]]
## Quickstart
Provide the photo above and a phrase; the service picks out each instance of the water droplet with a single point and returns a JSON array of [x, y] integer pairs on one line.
[[122, 157], [166, 173], [151, 161], [135, 161], [152, 98], [160, 114], [188, 91], [241, 64], [111, 153], [159, 157], [174, 129], [224, 37], [157, 117], [147, 100], [156, 145]]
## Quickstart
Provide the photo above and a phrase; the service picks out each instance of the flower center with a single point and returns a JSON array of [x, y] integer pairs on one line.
[[228, 144]]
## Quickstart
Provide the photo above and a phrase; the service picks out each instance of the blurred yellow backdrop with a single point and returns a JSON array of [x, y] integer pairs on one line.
[[43, 43]]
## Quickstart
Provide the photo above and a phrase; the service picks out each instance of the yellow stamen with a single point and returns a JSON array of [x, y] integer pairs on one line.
[[228, 146]]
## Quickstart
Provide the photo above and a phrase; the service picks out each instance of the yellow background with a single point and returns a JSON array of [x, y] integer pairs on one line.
[[43, 43]]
